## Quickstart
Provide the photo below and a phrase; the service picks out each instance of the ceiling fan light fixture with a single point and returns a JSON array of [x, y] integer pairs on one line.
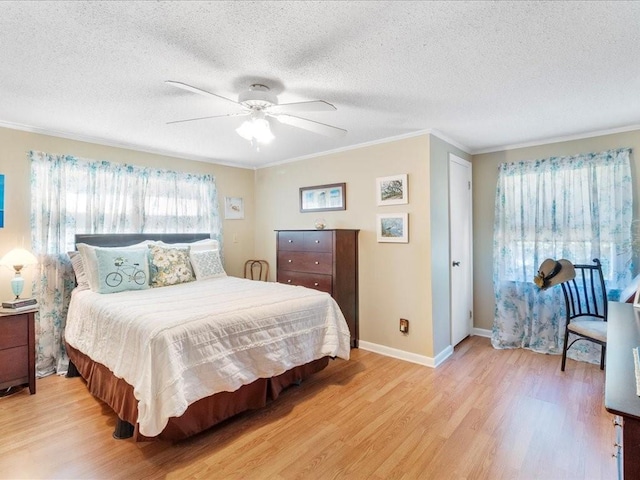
[[256, 129]]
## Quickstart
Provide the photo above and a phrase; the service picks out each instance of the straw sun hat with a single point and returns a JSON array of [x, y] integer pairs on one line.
[[553, 272]]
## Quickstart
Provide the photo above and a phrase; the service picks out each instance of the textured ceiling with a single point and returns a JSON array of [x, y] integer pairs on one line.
[[483, 74]]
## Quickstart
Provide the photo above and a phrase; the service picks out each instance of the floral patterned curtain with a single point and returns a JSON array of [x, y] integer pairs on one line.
[[70, 195], [578, 208]]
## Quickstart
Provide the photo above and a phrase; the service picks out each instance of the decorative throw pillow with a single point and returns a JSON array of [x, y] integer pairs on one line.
[[207, 264], [82, 281], [121, 269], [169, 266], [90, 262]]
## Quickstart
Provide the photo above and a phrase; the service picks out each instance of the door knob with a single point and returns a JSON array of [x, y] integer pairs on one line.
[[456, 264]]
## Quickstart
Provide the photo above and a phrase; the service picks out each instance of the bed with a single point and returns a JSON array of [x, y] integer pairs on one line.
[[175, 360]]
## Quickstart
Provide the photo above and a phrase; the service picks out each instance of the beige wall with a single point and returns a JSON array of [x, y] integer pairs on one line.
[[485, 176], [14, 164], [395, 279]]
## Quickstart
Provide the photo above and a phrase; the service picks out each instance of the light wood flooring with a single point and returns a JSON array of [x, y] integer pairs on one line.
[[483, 414]]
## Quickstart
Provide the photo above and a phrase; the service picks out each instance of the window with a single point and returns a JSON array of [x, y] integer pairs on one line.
[[70, 195], [578, 208]]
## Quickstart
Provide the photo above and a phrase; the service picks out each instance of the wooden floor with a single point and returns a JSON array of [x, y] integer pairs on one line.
[[483, 414]]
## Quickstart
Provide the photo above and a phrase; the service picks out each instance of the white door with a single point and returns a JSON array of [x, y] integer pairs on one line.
[[460, 248]]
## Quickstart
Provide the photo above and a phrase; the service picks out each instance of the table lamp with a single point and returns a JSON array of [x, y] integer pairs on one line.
[[17, 259]]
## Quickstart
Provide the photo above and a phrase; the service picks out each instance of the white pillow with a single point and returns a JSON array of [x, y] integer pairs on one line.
[[90, 261], [198, 245], [82, 280], [207, 264]]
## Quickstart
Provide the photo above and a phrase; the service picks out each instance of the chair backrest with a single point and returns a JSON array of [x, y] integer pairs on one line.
[[585, 295], [256, 270]]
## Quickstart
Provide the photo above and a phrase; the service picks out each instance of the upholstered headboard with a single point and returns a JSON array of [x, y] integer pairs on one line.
[[124, 239]]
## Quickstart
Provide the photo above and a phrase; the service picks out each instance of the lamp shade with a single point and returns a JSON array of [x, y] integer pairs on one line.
[[256, 129], [18, 257]]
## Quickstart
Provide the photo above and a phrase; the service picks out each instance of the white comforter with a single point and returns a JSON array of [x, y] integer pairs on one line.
[[178, 344]]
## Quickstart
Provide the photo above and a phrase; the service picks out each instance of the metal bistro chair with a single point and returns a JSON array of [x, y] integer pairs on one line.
[[586, 302], [256, 270]]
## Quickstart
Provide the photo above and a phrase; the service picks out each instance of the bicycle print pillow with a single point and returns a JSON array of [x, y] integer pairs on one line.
[[121, 269], [169, 266]]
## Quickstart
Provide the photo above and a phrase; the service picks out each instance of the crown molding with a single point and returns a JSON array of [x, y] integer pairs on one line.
[[110, 143], [567, 138]]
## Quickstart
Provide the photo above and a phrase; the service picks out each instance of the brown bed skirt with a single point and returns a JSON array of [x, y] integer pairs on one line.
[[200, 415]]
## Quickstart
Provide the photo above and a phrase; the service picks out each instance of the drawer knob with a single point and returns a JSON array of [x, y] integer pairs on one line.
[[315, 284], [317, 263], [289, 261], [290, 241], [289, 281], [317, 241]]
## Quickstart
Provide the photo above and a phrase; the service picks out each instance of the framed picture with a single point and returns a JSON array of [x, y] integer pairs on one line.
[[393, 227], [233, 208], [392, 190], [322, 198]]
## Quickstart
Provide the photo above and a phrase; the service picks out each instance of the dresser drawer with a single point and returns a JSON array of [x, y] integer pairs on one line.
[[311, 280], [14, 331], [318, 241], [290, 241], [306, 262], [15, 364]]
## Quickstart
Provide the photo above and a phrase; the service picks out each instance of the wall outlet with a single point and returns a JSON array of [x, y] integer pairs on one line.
[[404, 325]]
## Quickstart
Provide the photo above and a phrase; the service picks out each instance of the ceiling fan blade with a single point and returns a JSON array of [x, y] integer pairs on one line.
[[239, 114], [312, 106], [199, 91], [311, 125]]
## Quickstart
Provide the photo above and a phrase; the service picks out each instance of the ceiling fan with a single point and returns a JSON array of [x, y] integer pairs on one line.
[[260, 104]]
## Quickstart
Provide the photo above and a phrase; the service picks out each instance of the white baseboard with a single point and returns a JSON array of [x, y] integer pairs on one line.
[[481, 332], [407, 356], [415, 358], [443, 355]]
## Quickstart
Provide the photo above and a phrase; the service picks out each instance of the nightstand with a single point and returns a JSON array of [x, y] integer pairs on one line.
[[18, 350]]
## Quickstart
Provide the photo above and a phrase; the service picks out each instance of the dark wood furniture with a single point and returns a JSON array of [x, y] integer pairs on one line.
[[620, 396], [18, 350], [326, 260]]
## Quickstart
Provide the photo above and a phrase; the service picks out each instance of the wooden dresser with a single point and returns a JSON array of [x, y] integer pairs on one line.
[[620, 398], [17, 350], [326, 260]]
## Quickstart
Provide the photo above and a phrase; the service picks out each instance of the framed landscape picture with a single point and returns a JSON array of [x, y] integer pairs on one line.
[[392, 190], [393, 227], [322, 198]]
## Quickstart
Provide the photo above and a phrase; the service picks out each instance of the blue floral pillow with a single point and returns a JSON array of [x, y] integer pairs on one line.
[[207, 264], [169, 266], [122, 269]]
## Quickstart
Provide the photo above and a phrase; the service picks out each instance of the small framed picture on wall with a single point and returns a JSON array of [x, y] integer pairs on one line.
[[393, 227], [392, 190], [233, 208]]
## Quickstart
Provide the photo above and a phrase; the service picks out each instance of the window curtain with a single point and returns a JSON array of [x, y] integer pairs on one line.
[[70, 195], [578, 208]]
